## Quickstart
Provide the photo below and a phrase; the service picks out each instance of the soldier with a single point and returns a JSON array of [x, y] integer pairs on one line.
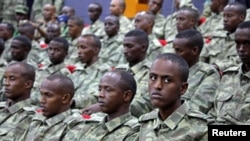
[[116, 91], [97, 26], [173, 119], [220, 51], [145, 21], [117, 8], [55, 118], [88, 71], [21, 14], [111, 50], [56, 52], [17, 109], [68, 12], [53, 30], [159, 22], [231, 98], [203, 78]]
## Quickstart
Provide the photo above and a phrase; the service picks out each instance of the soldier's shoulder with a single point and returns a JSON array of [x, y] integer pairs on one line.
[[231, 70], [197, 115], [149, 116], [3, 104], [133, 123], [207, 68]]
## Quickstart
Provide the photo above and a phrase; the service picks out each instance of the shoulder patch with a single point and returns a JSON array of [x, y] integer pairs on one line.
[[231, 69], [197, 114], [148, 116], [133, 123]]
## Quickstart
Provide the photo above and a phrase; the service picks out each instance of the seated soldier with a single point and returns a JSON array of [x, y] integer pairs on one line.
[[17, 109], [55, 118], [172, 119]]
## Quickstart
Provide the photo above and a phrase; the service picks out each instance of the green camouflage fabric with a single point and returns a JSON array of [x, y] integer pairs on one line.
[[212, 24], [15, 119], [184, 124], [54, 128], [125, 25], [8, 10], [86, 81], [34, 54], [96, 28], [154, 47], [221, 51], [42, 73], [159, 26], [6, 55], [207, 12], [122, 128], [170, 27], [112, 50], [203, 81], [72, 57], [232, 98], [141, 102], [37, 8]]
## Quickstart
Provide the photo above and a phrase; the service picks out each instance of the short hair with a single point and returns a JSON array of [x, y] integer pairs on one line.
[[10, 27], [2, 46], [79, 21], [240, 8], [28, 71], [64, 42], [126, 82], [25, 41], [64, 82], [179, 61], [116, 19], [99, 6], [140, 35], [194, 13], [28, 27], [245, 24], [96, 40], [193, 36], [122, 4]]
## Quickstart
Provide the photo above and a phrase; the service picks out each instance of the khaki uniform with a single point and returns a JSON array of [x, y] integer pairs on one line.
[[183, 124], [159, 25], [72, 57], [96, 28]]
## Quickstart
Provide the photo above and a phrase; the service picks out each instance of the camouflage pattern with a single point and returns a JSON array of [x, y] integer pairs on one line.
[[96, 28], [37, 8], [8, 10], [54, 128], [112, 50], [86, 81], [184, 124], [123, 128], [170, 27], [15, 119], [125, 25], [72, 57], [221, 51], [6, 55], [159, 26], [154, 47], [232, 98], [141, 103], [203, 81], [42, 73], [34, 54]]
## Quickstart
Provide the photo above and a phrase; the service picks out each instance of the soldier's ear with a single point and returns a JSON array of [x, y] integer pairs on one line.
[[195, 50], [127, 95], [29, 84], [66, 98], [184, 87]]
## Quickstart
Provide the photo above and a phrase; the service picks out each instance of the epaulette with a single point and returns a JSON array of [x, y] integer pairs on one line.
[[148, 116], [2, 104], [197, 114], [95, 118], [133, 123], [30, 108], [71, 121], [208, 69], [122, 67], [231, 69]]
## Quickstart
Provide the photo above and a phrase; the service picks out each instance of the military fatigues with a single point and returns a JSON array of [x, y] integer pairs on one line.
[[232, 98], [34, 54], [154, 48], [15, 119], [44, 72], [86, 82], [6, 55], [122, 128], [96, 28], [183, 124], [125, 25], [53, 128], [141, 102], [72, 57], [203, 81], [112, 50], [159, 25], [221, 51]]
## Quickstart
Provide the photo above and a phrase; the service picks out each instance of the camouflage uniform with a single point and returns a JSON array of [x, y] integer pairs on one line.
[[44, 72], [53, 128], [125, 25], [221, 51], [37, 8], [141, 103], [184, 124], [15, 119], [96, 28], [158, 29], [6, 55], [112, 50], [123, 128], [34, 54], [232, 98], [72, 57], [154, 48], [86, 82], [203, 81]]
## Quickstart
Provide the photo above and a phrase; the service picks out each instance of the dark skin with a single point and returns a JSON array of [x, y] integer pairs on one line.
[[94, 12], [111, 25]]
